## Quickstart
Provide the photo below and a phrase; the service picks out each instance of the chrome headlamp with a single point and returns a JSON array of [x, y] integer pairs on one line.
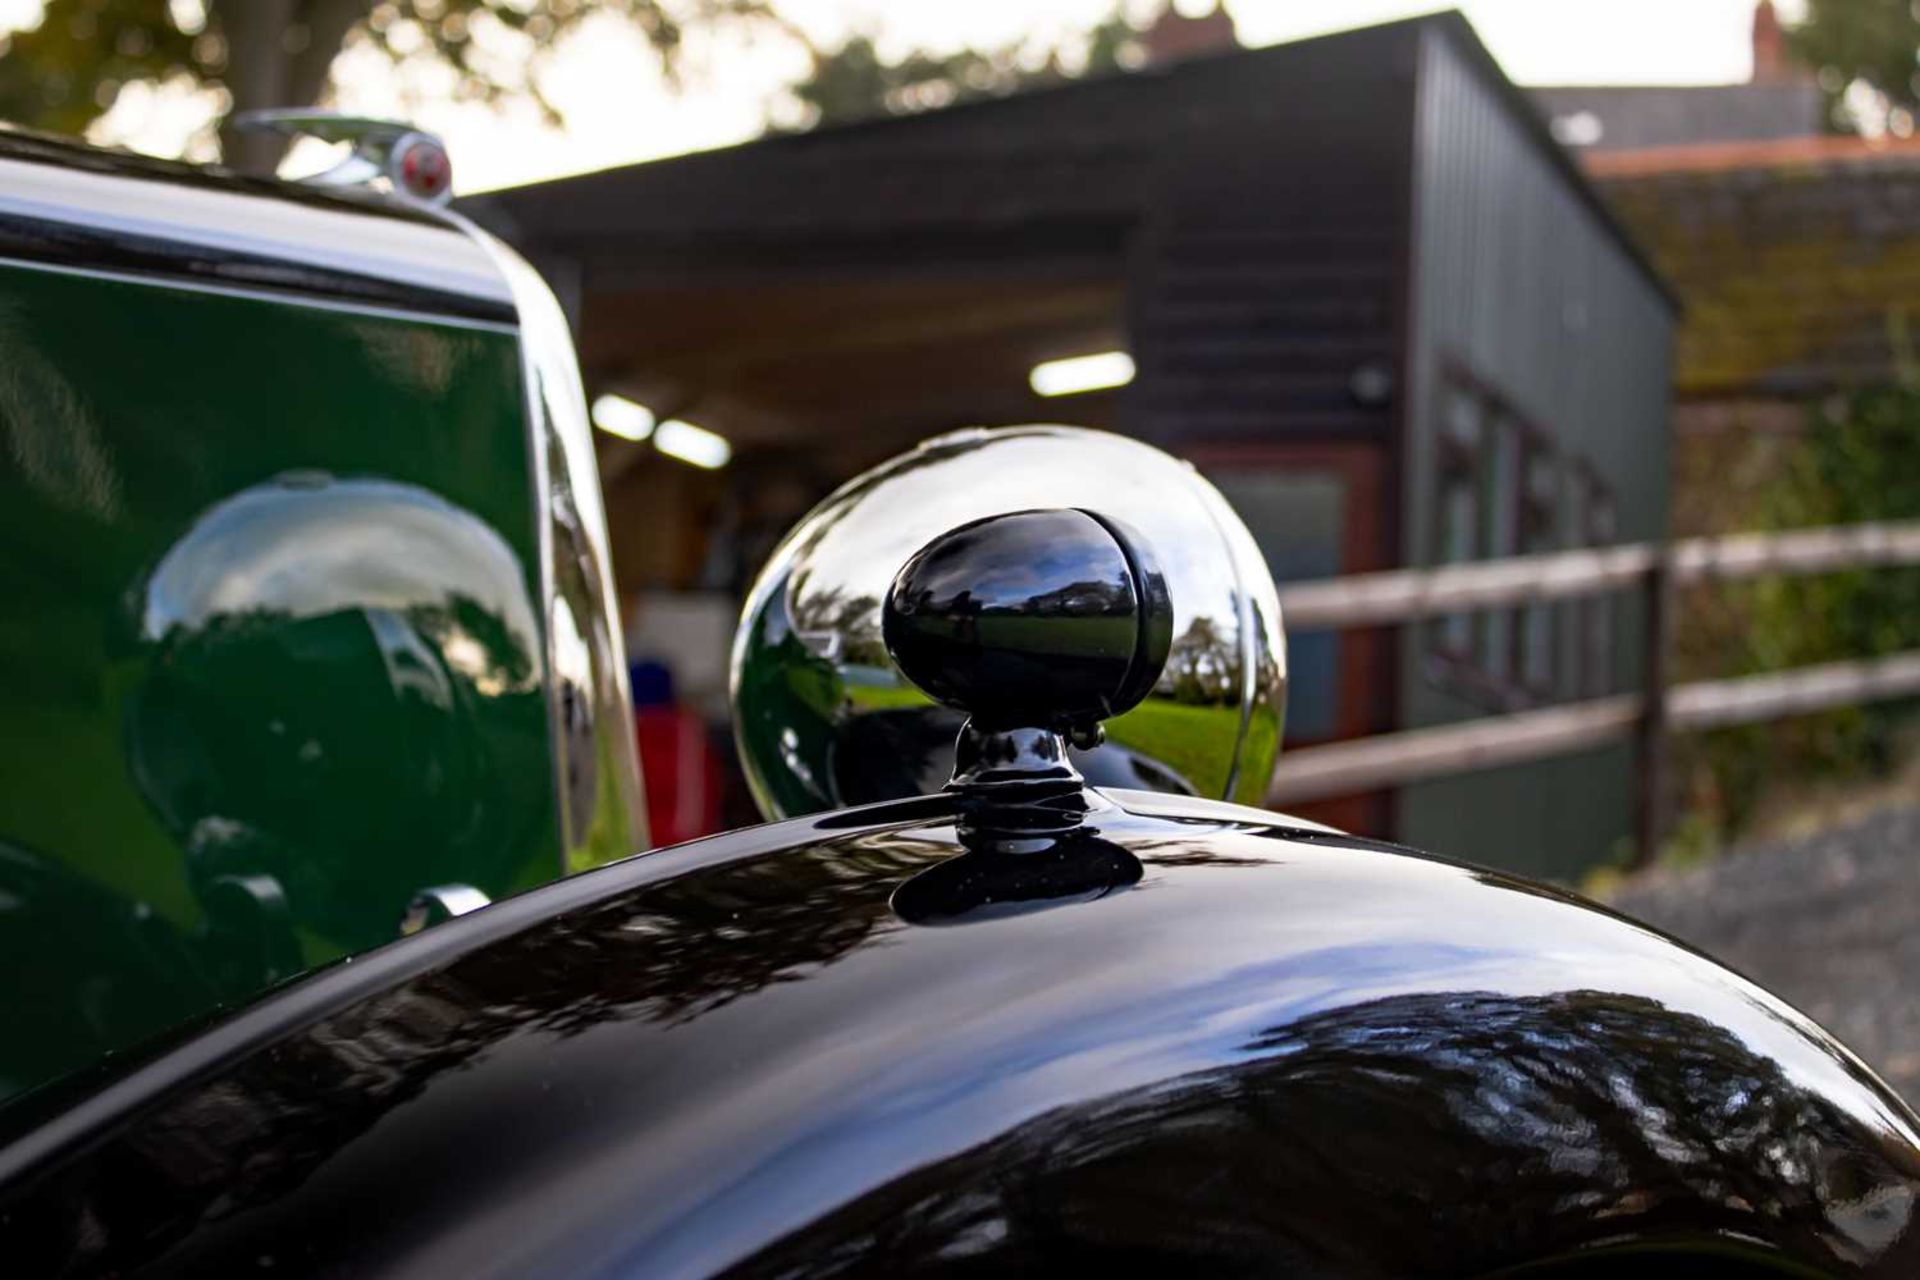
[[825, 719]]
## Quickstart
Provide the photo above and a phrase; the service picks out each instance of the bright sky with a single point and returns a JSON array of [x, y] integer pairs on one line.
[[617, 110]]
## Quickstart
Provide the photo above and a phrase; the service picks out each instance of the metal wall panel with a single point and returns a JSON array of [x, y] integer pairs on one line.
[[1521, 283]]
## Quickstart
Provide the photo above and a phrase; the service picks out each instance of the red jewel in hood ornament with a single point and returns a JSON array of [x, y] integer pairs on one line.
[[414, 164], [420, 168]]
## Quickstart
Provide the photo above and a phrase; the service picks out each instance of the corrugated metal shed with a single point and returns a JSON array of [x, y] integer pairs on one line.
[[1523, 289]]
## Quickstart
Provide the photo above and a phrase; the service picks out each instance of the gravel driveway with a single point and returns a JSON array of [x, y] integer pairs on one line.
[[1830, 923]]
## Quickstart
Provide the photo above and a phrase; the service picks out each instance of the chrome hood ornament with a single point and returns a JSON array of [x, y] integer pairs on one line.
[[412, 162]]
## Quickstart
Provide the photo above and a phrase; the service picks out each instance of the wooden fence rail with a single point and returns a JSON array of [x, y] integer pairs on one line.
[[1409, 595]]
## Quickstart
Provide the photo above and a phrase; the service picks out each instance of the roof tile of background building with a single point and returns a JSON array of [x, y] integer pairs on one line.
[[1798, 259]]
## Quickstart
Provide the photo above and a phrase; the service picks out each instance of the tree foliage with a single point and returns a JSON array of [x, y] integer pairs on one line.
[[65, 72], [1859, 461], [1871, 43], [856, 81]]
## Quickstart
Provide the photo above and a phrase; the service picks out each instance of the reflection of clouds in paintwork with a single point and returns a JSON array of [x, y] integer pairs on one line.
[[307, 546], [420, 358], [49, 434]]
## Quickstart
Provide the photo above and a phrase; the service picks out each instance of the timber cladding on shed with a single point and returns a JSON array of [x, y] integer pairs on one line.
[[1310, 250]]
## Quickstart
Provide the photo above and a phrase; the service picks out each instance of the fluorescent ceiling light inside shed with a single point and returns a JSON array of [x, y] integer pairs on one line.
[[696, 445], [619, 416], [1083, 373]]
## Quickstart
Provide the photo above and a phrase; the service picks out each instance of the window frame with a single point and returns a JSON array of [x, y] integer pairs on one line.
[[1595, 637], [1469, 654]]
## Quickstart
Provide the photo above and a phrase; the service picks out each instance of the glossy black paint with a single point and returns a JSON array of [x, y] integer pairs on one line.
[[1033, 618], [1277, 1050], [66, 205], [984, 882]]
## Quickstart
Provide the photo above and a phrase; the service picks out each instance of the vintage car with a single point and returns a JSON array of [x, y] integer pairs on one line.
[[324, 954]]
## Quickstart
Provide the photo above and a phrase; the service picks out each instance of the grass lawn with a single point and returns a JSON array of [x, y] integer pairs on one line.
[[1195, 742]]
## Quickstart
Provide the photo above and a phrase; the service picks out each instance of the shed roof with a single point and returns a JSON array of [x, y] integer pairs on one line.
[[1084, 152], [1239, 220]]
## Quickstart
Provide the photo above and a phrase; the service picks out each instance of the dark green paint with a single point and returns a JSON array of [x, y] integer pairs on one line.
[[269, 629]]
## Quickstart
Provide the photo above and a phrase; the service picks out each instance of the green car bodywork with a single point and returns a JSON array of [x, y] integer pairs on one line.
[[290, 590]]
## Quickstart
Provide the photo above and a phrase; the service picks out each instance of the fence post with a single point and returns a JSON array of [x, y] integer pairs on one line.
[[1651, 741]]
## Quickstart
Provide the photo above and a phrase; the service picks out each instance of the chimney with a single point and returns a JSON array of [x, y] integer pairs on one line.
[[1771, 62], [1172, 36]]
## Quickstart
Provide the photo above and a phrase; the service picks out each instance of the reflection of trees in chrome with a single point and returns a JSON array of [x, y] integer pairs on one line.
[[854, 621], [471, 641], [1268, 671], [480, 645], [1203, 667], [1091, 597], [1433, 1134], [990, 621]]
